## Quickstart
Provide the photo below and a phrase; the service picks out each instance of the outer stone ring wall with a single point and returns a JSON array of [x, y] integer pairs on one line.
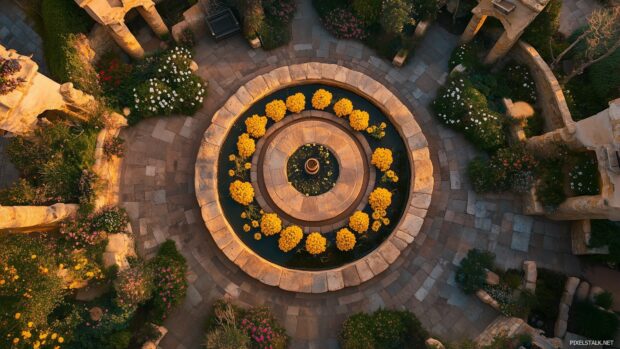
[[353, 273]]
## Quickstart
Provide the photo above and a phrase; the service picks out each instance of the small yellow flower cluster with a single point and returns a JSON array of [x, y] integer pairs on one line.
[[290, 238], [316, 243], [389, 176], [343, 107], [345, 240], [379, 220], [377, 131], [245, 146], [380, 199], [321, 99], [358, 120], [296, 103], [276, 110], [270, 224], [256, 125], [242, 192], [359, 221], [382, 159]]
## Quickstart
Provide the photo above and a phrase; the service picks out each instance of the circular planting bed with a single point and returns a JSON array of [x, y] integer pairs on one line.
[[313, 178]]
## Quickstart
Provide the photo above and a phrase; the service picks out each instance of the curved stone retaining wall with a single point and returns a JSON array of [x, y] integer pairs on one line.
[[550, 96], [353, 273]]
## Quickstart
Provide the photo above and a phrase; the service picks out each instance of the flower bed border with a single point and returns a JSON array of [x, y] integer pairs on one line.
[[351, 274]]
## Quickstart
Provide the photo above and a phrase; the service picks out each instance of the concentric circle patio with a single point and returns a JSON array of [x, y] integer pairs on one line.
[[158, 191]]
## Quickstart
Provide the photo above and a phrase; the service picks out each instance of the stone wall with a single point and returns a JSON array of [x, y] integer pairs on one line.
[[31, 218], [550, 96], [108, 170]]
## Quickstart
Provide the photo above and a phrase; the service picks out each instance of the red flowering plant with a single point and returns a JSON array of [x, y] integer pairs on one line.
[[343, 24], [112, 71], [509, 169], [263, 329]]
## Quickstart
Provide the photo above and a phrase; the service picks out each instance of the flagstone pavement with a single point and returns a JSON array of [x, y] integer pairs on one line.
[[158, 191]]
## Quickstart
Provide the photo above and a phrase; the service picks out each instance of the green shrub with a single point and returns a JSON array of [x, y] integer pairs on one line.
[[61, 18], [31, 286], [550, 188], [385, 329], [170, 286], [112, 220], [395, 14], [134, 286], [583, 174], [425, 9], [368, 10], [549, 289], [592, 322], [606, 86], [604, 300], [120, 340], [513, 278], [79, 70], [606, 233], [518, 79], [53, 164], [465, 54], [471, 272], [274, 34], [534, 126], [541, 31]]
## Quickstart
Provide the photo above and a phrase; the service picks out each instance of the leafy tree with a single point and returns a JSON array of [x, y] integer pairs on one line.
[[396, 13]]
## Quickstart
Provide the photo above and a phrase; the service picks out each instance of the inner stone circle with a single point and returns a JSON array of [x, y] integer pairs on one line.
[[326, 211]]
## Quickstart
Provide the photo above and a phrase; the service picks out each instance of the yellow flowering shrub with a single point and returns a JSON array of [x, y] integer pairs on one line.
[[270, 224], [321, 99], [359, 221], [345, 240], [296, 103], [389, 176], [376, 225], [382, 159], [380, 199], [316, 243], [290, 238], [275, 110], [256, 125], [245, 146], [358, 120], [343, 107], [242, 192]]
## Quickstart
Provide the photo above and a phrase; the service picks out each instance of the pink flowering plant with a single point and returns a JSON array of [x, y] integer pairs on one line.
[[8, 68], [170, 285], [133, 287], [262, 328], [343, 24]]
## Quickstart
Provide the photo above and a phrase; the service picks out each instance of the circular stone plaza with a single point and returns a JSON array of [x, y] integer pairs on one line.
[[316, 179]]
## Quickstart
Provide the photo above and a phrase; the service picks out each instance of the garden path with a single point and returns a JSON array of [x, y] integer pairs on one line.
[[17, 32], [574, 14], [158, 191]]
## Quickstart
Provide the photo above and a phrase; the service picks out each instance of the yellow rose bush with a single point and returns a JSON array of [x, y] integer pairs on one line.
[[343, 107], [345, 240], [316, 243], [256, 125], [245, 146], [359, 221], [290, 238], [276, 110], [270, 224], [382, 159], [380, 199], [321, 99], [358, 120], [241, 192], [296, 103]]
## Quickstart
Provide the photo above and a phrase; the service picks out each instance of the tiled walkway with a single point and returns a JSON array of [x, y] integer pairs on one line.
[[574, 14], [17, 32], [157, 189]]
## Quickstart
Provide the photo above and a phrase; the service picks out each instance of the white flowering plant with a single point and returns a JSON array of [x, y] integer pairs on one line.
[[169, 86], [519, 80], [583, 175], [461, 106]]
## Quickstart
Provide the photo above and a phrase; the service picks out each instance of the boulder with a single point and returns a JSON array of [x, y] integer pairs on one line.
[[560, 328], [571, 286], [492, 278], [432, 343], [583, 291], [120, 246], [96, 313], [486, 298], [531, 275]]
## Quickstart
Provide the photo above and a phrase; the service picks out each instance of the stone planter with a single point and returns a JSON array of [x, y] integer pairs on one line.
[[255, 43], [420, 30], [400, 58]]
